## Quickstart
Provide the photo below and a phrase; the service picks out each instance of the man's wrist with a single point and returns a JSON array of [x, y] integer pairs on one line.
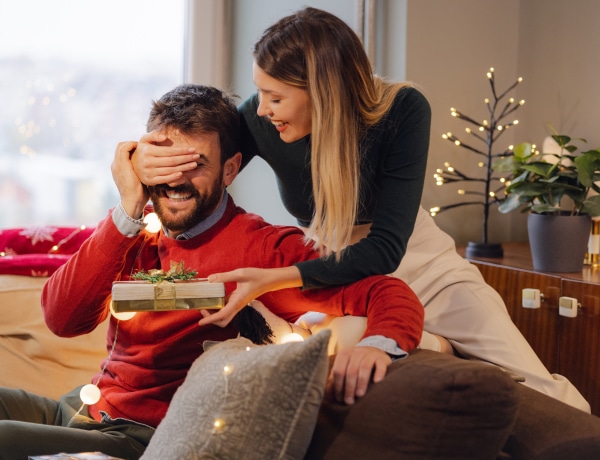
[[127, 225], [385, 344]]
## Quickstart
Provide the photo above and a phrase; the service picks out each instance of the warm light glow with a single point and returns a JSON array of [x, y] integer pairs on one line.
[[468, 130], [492, 194], [54, 248], [433, 211], [292, 337], [123, 315], [219, 424], [228, 369], [481, 164], [460, 191], [152, 222], [90, 394], [457, 142]]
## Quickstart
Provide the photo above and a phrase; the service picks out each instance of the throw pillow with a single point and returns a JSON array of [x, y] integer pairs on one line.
[[38, 251], [248, 401]]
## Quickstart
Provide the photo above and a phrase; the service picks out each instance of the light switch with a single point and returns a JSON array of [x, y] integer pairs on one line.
[[567, 306], [531, 298]]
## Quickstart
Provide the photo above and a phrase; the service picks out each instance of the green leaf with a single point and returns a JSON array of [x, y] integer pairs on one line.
[[561, 139], [540, 168], [591, 206], [585, 169], [542, 208], [523, 150], [506, 164], [510, 203]]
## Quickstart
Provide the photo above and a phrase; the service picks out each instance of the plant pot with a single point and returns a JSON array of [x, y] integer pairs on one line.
[[558, 242], [488, 250]]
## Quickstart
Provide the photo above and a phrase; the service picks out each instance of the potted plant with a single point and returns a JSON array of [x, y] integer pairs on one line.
[[556, 188]]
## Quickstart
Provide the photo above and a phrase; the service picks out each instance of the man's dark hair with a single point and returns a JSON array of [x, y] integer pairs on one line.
[[195, 109]]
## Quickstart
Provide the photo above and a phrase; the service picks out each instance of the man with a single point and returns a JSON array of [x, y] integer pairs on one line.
[[150, 354]]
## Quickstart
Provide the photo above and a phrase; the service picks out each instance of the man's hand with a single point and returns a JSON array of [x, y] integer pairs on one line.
[[155, 162], [353, 369], [134, 195]]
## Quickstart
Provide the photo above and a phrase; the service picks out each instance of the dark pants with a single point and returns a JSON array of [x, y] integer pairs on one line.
[[34, 425]]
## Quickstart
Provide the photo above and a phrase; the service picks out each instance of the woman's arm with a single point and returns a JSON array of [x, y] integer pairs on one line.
[[155, 164], [251, 283]]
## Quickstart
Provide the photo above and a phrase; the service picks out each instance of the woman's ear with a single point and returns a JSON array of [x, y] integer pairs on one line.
[[231, 168]]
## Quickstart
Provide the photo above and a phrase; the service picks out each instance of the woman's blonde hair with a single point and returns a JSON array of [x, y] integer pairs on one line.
[[315, 50]]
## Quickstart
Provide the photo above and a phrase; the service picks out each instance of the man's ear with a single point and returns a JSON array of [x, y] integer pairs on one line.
[[231, 168]]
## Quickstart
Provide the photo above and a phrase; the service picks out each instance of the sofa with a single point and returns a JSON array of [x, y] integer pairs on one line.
[[429, 406]]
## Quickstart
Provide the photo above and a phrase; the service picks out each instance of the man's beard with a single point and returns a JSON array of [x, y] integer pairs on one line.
[[178, 220]]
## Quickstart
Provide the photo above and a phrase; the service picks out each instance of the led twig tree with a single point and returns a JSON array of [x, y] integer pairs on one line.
[[487, 132]]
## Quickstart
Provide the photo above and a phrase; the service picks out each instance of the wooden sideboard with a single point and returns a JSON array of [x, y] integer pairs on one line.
[[567, 346]]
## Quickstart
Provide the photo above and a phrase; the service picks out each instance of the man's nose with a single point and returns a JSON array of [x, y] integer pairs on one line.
[[177, 182]]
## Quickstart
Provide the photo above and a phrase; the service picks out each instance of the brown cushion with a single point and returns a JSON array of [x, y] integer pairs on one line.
[[548, 429], [430, 405]]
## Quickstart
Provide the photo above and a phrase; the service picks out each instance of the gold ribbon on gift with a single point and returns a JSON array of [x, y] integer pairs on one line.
[[165, 296]]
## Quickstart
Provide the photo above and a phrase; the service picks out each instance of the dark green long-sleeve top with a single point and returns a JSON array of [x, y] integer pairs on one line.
[[392, 177]]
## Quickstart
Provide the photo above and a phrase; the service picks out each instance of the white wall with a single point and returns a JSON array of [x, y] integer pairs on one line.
[[560, 57]]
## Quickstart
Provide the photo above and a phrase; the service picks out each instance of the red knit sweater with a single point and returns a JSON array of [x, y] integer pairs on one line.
[[154, 350]]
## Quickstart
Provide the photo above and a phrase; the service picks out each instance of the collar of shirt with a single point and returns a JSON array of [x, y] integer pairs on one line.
[[207, 223]]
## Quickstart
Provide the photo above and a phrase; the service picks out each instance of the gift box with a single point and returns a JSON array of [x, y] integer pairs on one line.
[[134, 296]]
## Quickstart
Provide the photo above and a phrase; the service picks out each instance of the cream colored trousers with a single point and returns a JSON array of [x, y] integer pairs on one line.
[[462, 308]]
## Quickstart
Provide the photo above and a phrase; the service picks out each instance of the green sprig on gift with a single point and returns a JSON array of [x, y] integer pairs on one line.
[[177, 272]]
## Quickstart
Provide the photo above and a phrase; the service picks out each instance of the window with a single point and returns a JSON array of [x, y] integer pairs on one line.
[[76, 78]]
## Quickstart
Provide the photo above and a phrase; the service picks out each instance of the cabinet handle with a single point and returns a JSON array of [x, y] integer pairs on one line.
[[531, 298], [568, 306]]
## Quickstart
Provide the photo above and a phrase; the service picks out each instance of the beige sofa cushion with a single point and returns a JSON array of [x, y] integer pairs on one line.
[[32, 357]]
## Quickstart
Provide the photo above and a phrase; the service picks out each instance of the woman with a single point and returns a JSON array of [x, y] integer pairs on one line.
[[349, 151]]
